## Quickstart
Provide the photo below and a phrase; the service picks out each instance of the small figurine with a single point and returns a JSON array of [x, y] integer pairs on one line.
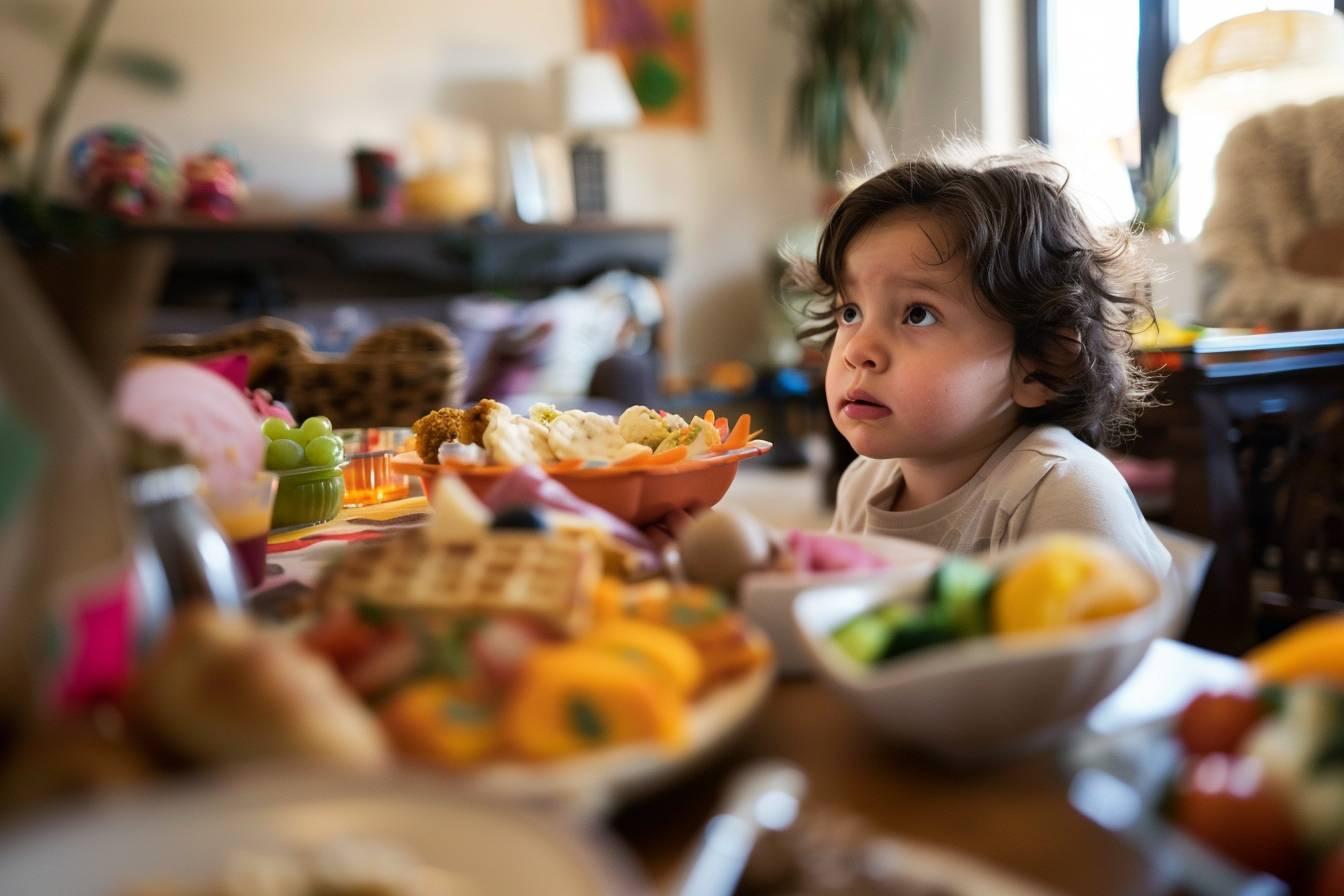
[[123, 171], [213, 184]]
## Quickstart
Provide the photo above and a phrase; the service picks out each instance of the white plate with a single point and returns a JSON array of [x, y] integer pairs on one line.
[[599, 782], [767, 597], [185, 835]]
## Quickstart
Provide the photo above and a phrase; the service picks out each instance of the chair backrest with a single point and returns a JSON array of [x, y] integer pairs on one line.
[[392, 377], [414, 337], [1190, 558], [271, 344]]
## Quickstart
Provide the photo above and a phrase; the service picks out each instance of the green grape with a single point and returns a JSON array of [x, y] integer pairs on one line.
[[314, 427], [284, 454], [275, 428], [323, 451], [294, 434]]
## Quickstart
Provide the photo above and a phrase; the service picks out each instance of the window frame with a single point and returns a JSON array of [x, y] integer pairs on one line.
[[1157, 40]]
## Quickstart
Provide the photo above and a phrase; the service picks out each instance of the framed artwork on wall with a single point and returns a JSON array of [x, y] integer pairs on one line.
[[658, 42]]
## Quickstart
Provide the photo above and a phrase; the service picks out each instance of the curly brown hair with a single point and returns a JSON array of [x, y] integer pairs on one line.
[[1073, 294]]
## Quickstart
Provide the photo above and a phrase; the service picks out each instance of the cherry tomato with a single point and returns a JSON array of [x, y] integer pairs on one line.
[[1217, 722], [1226, 803], [1330, 874], [341, 637]]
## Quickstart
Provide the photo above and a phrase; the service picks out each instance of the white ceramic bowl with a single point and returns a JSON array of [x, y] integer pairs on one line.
[[766, 598], [983, 698]]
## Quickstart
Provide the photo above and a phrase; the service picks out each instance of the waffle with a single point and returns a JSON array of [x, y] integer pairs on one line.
[[541, 575]]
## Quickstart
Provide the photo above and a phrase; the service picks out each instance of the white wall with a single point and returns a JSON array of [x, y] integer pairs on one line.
[[294, 84]]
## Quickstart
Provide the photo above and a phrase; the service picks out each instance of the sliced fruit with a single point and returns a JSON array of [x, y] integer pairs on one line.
[[440, 723], [1311, 649], [575, 698], [1066, 580], [657, 647]]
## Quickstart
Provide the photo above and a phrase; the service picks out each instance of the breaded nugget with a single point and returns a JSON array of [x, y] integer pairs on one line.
[[466, 426]]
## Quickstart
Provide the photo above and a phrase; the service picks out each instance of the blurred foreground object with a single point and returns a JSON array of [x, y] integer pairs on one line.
[[219, 689], [65, 540]]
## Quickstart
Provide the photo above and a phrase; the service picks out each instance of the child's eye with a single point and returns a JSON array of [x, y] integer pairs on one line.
[[919, 316], [848, 315]]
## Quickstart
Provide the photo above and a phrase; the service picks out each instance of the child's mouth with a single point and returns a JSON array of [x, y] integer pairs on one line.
[[861, 406]]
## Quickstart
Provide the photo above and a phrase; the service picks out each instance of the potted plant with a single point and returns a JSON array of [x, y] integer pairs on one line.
[[98, 283], [854, 58]]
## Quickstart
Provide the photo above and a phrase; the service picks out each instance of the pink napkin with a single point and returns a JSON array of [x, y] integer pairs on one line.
[[826, 553], [232, 367]]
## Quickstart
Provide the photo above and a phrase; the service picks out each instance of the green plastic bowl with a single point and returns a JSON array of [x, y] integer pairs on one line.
[[307, 496]]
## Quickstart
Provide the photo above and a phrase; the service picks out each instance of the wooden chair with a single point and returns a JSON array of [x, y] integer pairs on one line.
[[389, 378]]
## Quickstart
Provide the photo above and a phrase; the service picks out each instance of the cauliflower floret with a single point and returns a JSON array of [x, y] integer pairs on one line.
[[543, 413], [645, 426], [699, 436]]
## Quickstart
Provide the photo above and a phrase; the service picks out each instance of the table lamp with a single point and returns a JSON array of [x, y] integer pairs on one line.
[[595, 95], [1254, 62], [1239, 68]]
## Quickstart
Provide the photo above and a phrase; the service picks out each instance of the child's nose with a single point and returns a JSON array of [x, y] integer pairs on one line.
[[866, 351]]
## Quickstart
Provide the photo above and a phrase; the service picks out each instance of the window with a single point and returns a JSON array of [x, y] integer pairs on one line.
[[1095, 94]]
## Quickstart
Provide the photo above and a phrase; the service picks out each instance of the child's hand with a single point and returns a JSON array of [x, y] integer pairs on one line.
[[665, 531]]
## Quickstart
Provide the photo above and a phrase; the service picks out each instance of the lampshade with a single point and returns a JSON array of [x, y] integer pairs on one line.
[[1257, 61], [595, 94]]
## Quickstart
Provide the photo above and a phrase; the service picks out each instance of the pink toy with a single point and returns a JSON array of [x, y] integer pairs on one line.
[[213, 185]]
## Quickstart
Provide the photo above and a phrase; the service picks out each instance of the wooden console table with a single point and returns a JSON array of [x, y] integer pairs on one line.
[[263, 264]]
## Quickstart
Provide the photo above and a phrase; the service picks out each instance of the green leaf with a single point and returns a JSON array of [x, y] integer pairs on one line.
[[140, 67], [842, 42]]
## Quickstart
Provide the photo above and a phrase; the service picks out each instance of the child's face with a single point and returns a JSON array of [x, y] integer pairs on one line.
[[918, 369]]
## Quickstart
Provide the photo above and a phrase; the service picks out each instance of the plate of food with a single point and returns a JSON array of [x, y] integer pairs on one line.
[[525, 662], [1246, 781], [302, 831], [638, 467]]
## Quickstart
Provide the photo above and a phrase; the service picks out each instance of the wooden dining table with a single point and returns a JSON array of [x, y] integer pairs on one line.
[[1014, 815]]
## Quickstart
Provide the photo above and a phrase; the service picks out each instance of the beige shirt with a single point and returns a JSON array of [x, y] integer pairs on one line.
[[1041, 479]]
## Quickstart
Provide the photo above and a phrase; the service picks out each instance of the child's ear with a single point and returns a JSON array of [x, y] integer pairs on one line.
[[1028, 389], [1029, 386]]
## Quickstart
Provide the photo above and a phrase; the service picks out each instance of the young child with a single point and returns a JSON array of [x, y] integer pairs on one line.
[[978, 331]]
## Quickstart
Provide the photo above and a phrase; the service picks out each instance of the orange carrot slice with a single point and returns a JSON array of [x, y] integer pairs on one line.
[[739, 436], [637, 460], [668, 457]]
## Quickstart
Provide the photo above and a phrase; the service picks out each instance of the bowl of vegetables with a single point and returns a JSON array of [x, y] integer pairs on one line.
[[307, 460], [987, 657]]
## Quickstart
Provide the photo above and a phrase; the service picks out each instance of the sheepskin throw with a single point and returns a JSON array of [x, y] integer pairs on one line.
[[1279, 197]]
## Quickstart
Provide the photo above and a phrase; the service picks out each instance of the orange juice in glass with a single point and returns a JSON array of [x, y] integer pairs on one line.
[[244, 515], [369, 480]]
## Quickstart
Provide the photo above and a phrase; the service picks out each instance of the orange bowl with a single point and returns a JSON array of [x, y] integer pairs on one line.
[[638, 495]]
